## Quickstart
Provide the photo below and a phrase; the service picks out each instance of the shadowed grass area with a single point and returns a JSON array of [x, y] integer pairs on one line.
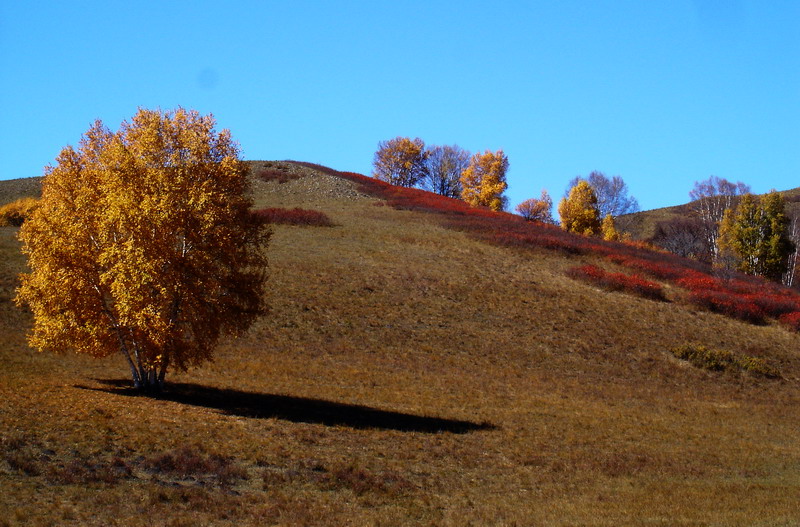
[[295, 409]]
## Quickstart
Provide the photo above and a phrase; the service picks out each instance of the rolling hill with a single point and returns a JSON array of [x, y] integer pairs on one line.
[[421, 365], [642, 225]]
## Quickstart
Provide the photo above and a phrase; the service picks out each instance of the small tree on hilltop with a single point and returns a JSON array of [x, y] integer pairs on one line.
[[579, 212], [609, 230], [400, 161], [484, 180], [710, 199], [540, 209], [612, 194], [143, 243], [443, 168]]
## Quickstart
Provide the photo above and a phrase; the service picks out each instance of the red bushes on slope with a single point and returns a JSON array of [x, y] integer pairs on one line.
[[618, 281]]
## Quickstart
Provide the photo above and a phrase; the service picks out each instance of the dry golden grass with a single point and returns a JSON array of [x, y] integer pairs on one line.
[[408, 374]]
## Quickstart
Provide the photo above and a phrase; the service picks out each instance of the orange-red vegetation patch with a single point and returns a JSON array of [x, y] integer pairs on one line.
[[618, 281]]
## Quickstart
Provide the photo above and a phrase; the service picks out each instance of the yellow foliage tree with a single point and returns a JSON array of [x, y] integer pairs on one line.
[[484, 180], [143, 243], [609, 230], [579, 212], [400, 161]]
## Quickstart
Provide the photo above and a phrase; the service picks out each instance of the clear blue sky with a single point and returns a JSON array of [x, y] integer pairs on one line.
[[662, 93]]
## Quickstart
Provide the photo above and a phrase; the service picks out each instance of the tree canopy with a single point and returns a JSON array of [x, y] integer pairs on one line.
[[579, 212], [143, 243], [400, 161], [443, 168], [484, 180], [537, 209], [612, 194], [755, 234]]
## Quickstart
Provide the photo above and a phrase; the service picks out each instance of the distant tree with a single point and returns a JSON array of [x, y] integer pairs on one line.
[[579, 212], [608, 230], [400, 161], [612, 194], [540, 209], [794, 236], [710, 199], [143, 243], [16, 212], [683, 236], [484, 180], [756, 235], [443, 168]]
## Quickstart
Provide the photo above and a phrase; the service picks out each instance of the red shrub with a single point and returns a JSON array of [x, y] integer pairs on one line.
[[728, 304], [294, 216], [791, 320], [618, 281], [273, 174]]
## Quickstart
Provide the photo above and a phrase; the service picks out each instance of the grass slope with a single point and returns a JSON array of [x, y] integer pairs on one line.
[[410, 373]]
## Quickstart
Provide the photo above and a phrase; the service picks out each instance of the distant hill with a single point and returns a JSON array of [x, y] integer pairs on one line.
[[14, 189], [642, 225]]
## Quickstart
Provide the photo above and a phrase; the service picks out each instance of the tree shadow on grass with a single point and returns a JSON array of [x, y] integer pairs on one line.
[[295, 409]]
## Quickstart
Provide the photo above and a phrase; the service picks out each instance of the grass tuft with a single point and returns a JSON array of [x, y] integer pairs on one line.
[[722, 360]]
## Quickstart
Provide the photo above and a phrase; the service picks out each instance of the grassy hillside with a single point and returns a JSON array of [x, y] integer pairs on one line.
[[412, 371]]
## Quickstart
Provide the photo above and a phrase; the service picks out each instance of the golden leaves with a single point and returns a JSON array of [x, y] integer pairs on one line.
[[579, 211], [484, 180], [143, 242]]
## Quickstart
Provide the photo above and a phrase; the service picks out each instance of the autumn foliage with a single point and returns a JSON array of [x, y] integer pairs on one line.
[[143, 244], [579, 212], [484, 180], [400, 161], [540, 209], [633, 284]]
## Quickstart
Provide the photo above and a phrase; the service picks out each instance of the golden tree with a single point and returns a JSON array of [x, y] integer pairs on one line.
[[400, 161], [484, 180], [143, 243], [579, 211], [609, 230], [540, 209]]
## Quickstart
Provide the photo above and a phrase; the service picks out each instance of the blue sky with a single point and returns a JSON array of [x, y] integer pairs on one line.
[[661, 93]]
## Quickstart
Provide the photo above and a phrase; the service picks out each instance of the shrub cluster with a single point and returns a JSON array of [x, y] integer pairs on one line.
[[296, 216], [274, 174], [720, 360], [618, 281], [791, 320], [16, 212], [749, 300]]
